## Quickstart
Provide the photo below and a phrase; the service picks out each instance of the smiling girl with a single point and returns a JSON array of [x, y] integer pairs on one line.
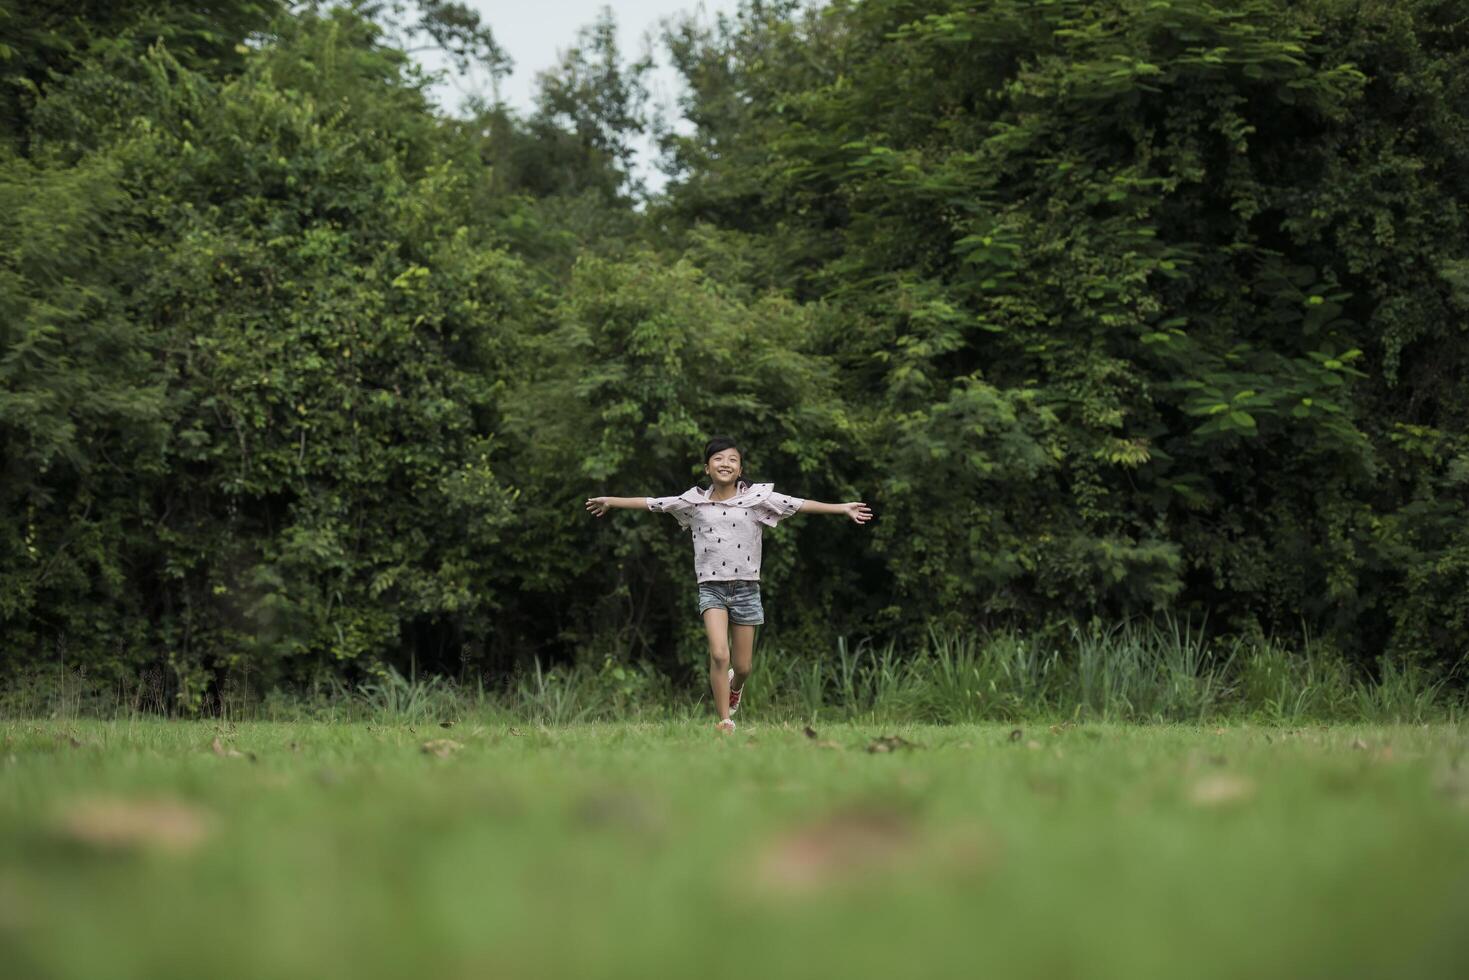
[[727, 520]]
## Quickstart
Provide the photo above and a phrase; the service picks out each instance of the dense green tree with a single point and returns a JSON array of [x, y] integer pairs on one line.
[[1105, 271], [643, 362], [41, 41], [273, 442], [1105, 307]]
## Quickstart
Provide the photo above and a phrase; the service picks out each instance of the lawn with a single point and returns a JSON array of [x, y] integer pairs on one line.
[[155, 849]]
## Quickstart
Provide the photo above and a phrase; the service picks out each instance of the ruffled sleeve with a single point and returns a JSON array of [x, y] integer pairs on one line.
[[681, 507], [769, 507]]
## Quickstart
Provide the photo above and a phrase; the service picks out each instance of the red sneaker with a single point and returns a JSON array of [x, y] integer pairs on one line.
[[734, 695]]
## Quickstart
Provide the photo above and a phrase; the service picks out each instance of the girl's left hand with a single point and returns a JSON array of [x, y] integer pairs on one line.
[[858, 512]]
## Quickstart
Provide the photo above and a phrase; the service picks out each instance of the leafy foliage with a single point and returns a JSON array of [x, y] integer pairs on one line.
[[1105, 269], [1108, 308]]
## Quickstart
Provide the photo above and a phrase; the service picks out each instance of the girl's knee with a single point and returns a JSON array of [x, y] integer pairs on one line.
[[719, 658]]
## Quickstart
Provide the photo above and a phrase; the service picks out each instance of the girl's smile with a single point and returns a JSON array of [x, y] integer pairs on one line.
[[724, 468]]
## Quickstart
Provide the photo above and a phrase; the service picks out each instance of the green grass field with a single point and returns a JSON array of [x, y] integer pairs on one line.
[[142, 849]]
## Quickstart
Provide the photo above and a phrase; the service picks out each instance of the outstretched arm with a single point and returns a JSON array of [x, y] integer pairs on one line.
[[601, 505], [856, 510]]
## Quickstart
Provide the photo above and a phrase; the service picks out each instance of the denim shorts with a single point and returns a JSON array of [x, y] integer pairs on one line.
[[741, 598]]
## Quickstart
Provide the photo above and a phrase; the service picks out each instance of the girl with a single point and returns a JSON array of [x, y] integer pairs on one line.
[[725, 521]]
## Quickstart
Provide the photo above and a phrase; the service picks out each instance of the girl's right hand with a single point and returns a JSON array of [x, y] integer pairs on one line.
[[598, 505]]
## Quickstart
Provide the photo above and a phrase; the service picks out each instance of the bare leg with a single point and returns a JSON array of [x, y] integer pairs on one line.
[[743, 659], [716, 624]]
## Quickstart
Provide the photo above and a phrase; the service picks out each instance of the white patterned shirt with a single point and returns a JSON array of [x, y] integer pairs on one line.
[[727, 533]]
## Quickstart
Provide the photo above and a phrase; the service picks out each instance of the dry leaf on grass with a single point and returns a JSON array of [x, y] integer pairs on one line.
[[818, 741], [119, 825], [862, 842], [891, 743], [841, 846], [441, 747], [224, 752], [1221, 789]]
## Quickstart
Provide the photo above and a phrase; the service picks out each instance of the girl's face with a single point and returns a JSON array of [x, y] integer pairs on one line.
[[724, 466]]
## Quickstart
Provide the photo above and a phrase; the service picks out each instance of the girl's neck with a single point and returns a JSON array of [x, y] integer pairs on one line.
[[723, 491]]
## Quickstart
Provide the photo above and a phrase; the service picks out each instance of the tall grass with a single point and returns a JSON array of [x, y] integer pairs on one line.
[[1166, 670], [1163, 670]]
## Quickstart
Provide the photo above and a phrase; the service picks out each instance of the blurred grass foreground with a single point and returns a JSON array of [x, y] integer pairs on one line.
[[151, 848]]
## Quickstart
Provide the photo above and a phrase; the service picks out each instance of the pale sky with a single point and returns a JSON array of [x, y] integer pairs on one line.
[[534, 32]]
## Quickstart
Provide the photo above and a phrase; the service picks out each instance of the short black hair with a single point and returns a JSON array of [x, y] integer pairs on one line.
[[719, 444]]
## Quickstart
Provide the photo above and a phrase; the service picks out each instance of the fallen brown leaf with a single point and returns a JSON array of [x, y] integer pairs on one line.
[[1221, 789], [224, 752], [842, 846], [891, 743], [441, 747], [117, 824]]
